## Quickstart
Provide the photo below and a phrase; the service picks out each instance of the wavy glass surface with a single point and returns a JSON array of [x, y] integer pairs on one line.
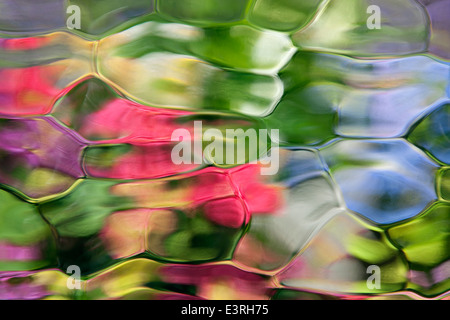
[[87, 179]]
